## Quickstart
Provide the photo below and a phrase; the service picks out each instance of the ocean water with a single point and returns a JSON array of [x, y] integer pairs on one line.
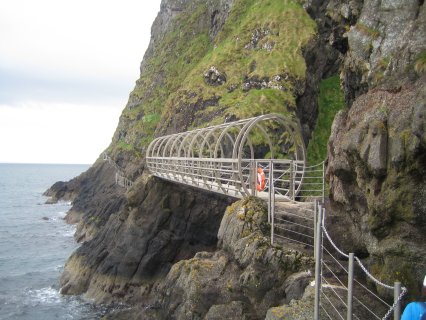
[[35, 242]]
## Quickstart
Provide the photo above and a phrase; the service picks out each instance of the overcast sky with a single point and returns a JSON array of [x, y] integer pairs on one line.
[[66, 70]]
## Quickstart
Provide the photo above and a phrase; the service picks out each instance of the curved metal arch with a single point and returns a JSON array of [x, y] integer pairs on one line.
[[166, 151], [173, 156], [185, 135], [152, 146], [242, 144], [190, 151], [211, 133], [226, 132], [174, 150]]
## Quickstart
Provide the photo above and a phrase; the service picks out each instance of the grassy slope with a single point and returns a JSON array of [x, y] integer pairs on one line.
[[289, 28], [172, 59], [174, 73], [330, 101]]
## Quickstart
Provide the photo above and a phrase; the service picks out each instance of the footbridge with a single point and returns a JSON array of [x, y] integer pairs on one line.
[[256, 156], [265, 157]]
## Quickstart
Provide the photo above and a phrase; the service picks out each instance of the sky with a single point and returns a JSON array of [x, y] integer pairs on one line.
[[66, 70]]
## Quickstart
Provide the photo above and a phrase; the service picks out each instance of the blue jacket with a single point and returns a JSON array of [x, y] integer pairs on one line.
[[415, 311]]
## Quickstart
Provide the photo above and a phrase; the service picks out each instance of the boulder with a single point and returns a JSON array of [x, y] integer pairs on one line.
[[214, 77]]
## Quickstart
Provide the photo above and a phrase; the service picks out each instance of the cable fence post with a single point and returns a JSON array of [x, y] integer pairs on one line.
[[315, 226], [350, 285], [318, 259], [270, 183], [272, 191], [323, 181], [272, 227], [294, 180], [291, 181], [396, 294], [253, 175]]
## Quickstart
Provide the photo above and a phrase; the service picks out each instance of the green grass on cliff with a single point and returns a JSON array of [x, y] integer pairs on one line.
[[283, 26], [420, 64], [165, 69], [330, 101], [260, 39]]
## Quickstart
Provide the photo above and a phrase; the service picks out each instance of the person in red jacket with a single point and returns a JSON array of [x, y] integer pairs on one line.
[[260, 184]]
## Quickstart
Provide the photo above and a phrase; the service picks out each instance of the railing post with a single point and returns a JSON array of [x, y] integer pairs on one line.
[[294, 180], [291, 180], [323, 181], [350, 285], [270, 183], [318, 259], [254, 177], [396, 294], [315, 225], [272, 192], [272, 227]]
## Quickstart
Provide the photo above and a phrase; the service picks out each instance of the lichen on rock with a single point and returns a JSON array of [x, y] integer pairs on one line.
[[376, 172]]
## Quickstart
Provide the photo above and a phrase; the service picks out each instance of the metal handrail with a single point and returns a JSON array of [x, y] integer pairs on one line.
[[120, 179]]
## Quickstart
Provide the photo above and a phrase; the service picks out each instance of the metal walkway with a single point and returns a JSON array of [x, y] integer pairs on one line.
[[120, 179], [241, 158], [265, 157]]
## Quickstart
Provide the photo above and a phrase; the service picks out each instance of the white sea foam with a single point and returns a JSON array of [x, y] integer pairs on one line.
[[35, 243], [69, 231], [62, 214], [47, 295], [59, 267], [58, 216]]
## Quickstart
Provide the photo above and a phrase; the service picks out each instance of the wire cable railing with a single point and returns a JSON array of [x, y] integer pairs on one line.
[[288, 185], [354, 297], [120, 179]]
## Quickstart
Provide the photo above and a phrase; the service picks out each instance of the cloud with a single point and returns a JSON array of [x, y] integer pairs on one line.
[[66, 70], [16, 87], [55, 133], [96, 41]]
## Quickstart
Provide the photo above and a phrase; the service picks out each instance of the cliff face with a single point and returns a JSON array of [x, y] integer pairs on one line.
[[215, 61], [161, 224], [242, 279], [377, 147]]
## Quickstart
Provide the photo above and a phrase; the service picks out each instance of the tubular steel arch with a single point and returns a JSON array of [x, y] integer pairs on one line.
[[225, 158]]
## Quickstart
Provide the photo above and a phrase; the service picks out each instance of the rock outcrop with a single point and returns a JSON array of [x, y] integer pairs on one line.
[[161, 224], [376, 170], [377, 148], [242, 279], [94, 197]]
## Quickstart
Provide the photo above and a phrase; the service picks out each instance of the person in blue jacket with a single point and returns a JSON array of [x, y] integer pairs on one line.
[[416, 310]]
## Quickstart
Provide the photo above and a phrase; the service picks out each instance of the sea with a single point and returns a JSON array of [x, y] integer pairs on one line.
[[35, 243]]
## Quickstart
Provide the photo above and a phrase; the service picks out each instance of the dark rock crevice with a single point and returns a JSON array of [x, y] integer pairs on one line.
[[323, 56]]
